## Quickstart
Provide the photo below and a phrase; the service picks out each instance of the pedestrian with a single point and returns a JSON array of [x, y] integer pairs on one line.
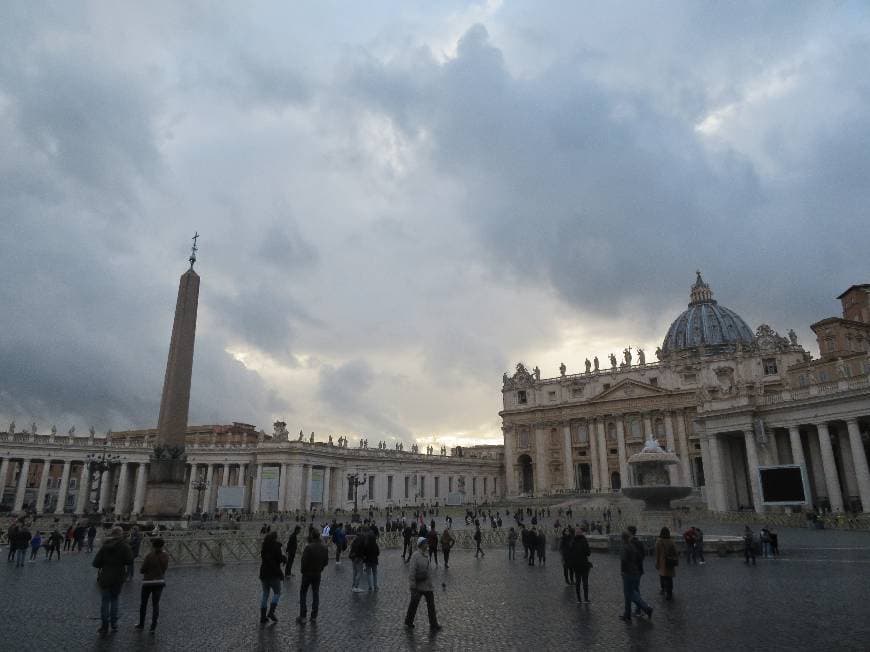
[[667, 559], [54, 544], [524, 536], [532, 542], [631, 565], [314, 560], [357, 558], [565, 542], [541, 545], [578, 560], [68, 538], [35, 545], [433, 543], [447, 543], [699, 546], [292, 545], [512, 543], [271, 560], [372, 553], [774, 543], [478, 537], [765, 543], [420, 577], [748, 545], [339, 538], [689, 539], [111, 560], [79, 537], [92, 534], [135, 545], [153, 573], [20, 543], [406, 543]]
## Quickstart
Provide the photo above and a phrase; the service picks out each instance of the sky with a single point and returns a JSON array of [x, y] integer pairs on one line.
[[399, 201]]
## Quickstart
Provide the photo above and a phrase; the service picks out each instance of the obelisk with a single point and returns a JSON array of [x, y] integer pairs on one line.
[[166, 491]]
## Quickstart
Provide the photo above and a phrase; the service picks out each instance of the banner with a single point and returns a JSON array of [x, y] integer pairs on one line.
[[316, 486], [270, 479], [230, 497]]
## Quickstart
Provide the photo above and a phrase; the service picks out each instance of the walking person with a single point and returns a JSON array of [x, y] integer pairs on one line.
[[478, 537], [271, 560], [54, 540], [35, 545], [292, 545], [20, 543], [357, 558], [578, 560], [111, 560], [339, 538], [565, 542], [631, 564], [92, 534], [689, 539], [699, 545], [372, 553], [524, 535], [667, 559], [153, 573], [432, 539], [314, 560], [447, 543], [532, 543], [420, 578], [68, 538], [541, 546], [512, 544], [11, 535], [748, 545], [406, 542]]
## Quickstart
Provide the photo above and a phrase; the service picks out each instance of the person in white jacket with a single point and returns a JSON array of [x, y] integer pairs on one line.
[[420, 578]]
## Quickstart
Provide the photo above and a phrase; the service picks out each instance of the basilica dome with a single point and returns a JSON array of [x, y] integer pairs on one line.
[[706, 323]]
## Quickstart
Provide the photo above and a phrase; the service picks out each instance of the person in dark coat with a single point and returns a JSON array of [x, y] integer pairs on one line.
[[292, 546], [541, 546], [578, 560], [112, 560], [372, 552], [565, 542], [631, 564], [667, 558], [20, 542], [270, 575], [153, 571], [314, 560]]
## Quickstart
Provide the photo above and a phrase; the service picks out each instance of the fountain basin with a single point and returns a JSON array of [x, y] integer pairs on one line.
[[657, 497]]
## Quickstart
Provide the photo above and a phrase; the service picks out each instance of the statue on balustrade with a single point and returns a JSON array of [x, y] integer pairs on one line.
[[612, 361], [792, 336], [11, 430], [595, 362], [33, 428], [589, 365], [301, 435], [641, 356], [537, 373], [311, 438], [53, 430], [626, 354], [72, 431], [330, 440], [562, 369]]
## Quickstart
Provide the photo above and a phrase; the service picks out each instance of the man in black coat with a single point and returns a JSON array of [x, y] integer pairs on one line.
[[314, 559], [578, 561], [292, 545]]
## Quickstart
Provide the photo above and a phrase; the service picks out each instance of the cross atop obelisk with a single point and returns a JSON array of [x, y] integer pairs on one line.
[[167, 491]]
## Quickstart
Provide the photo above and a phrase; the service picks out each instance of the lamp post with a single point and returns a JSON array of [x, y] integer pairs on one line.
[[99, 464], [356, 483], [199, 486]]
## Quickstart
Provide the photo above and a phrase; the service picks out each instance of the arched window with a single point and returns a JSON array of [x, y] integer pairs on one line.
[[636, 428], [611, 432], [660, 428]]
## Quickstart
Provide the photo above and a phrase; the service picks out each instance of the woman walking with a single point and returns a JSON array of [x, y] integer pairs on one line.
[[578, 560], [447, 542], [270, 575], [667, 559], [153, 573]]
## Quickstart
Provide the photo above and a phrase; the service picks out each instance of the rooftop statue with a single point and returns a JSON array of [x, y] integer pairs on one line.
[[613, 361], [595, 362], [641, 356], [562, 369], [626, 354], [12, 428], [589, 365], [652, 446], [33, 428]]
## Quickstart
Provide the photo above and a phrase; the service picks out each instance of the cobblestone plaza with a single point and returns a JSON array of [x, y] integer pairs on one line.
[[811, 598]]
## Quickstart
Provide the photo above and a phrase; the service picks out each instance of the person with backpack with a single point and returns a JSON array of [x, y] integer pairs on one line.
[[631, 565], [54, 540], [420, 577], [447, 543], [19, 543], [271, 560], [111, 560], [153, 573], [667, 559], [314, 559]]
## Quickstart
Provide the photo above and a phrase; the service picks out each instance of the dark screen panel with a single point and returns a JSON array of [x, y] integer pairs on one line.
[[782, 484]]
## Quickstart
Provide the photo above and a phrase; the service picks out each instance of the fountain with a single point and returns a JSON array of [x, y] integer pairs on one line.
[[650, 479]]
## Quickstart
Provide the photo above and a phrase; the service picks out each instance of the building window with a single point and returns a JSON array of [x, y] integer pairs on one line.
[[437, 488], [521, 397], [802, 380], [769, 366], [73, 483], [350, 489], [659, 428], [613, 451], [371, 487], [611, 432], [551, 396], [473, 486], [389, 487], [554, 438], [689, 378], [581, 434], [523, 439], [407, 486], [635, 428], [823, 376], [484, 486], [577, 392], [450, 484], [654, 381], [422, 487], [605, 387]]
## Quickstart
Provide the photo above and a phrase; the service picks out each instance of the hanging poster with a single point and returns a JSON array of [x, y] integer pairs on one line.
[[270, 479], [316, 486]]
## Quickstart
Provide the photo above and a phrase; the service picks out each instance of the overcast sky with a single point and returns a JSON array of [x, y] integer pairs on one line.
[[400, 201]]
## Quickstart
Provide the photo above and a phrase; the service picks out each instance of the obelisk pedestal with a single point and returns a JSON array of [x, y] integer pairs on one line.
[[166, 492]]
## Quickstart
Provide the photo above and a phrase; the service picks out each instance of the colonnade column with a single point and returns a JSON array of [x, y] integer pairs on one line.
[[282, 488], [22, 486], [139, 493], [832, 482], [43, 485], [255, 503], [602, 456], [683, 448], [509, 461], [620, 447], [305, 487], [191, 492], [859, 460], [541, 476], [673, 475], [105, 490], [121, 497], [326, 493], [62, 490], [84, 489], [593, 455], [713, 475], [752, 470], [849, 474], [4, 471], [243, 469], [797, 449], [567, 457]]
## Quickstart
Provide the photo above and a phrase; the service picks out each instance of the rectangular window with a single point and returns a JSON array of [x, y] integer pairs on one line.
[[769, 366], [689, 378], [407, 484], [802, 380], [371, 487], [551, 396], [389, 487], [521, 397], [606, 386], [523, 439], [823, 376], [473, 486], [437, 488], [577, 392], [654, 381], [450, 484], [484, 486], [349, 488], [73, 483], [422, 487]]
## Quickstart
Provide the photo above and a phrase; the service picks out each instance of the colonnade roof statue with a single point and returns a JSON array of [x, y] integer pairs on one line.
[[706, 323]]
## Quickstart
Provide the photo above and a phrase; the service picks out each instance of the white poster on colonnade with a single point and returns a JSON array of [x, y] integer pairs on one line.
[[230, 497], [270, 480], [316, 486]]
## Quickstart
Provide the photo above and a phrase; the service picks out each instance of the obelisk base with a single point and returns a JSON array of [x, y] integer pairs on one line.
[[166, 495]]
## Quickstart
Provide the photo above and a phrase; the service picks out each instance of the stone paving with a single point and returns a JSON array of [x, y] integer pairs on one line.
[[813, 598]]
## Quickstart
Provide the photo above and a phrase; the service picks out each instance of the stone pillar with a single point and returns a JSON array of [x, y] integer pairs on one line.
[[210, 480], [84, 489], [282, 488], [567, 458], [242, 482], [673, 472], [62, 490], [814, 467], [832, 482], [510, 460], [683, 448], [121, 497], [105, 490], [714, 475], [797, 449], [43, 485], [602, 457], [327, 477], [139, 493], [859, 460], [255, 503], [305, 488], [4, 471], [849, 475], [593, 455], [191, 492], [22, 486], [752, 470], [542, 480], [620, 446]]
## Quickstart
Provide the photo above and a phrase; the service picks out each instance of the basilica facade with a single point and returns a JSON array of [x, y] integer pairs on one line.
[[724, 398]]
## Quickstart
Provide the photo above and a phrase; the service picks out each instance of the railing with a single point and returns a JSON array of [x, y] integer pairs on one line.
[[829, 521]]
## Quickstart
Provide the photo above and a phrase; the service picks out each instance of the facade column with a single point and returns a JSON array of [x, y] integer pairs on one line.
[[255, 504], [509, 461], [191, 492], [673, 474], [542, 480], [849, 475], [593, 455], [4, 471], [209, 479], [43, 485], [714, 475], [305, 488], [64, 487], [797, 450], [242, 482], [567, 458], [624, 480], [752, 470], [859, 460], [683, 448], [602, 457], [139, 493], [121, 497], [105, 490], [832, 482], [327, 477], [282, 488], [22, 486], [84, 489]]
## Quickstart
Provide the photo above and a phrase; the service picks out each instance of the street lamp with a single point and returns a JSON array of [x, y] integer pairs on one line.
[[199, 486], [356, 483], [99, 464]]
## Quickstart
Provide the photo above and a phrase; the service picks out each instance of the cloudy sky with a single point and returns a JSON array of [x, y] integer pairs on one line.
[[399, 201]]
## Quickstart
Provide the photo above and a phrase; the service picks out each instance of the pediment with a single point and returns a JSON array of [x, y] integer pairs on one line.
[[629, 388]]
